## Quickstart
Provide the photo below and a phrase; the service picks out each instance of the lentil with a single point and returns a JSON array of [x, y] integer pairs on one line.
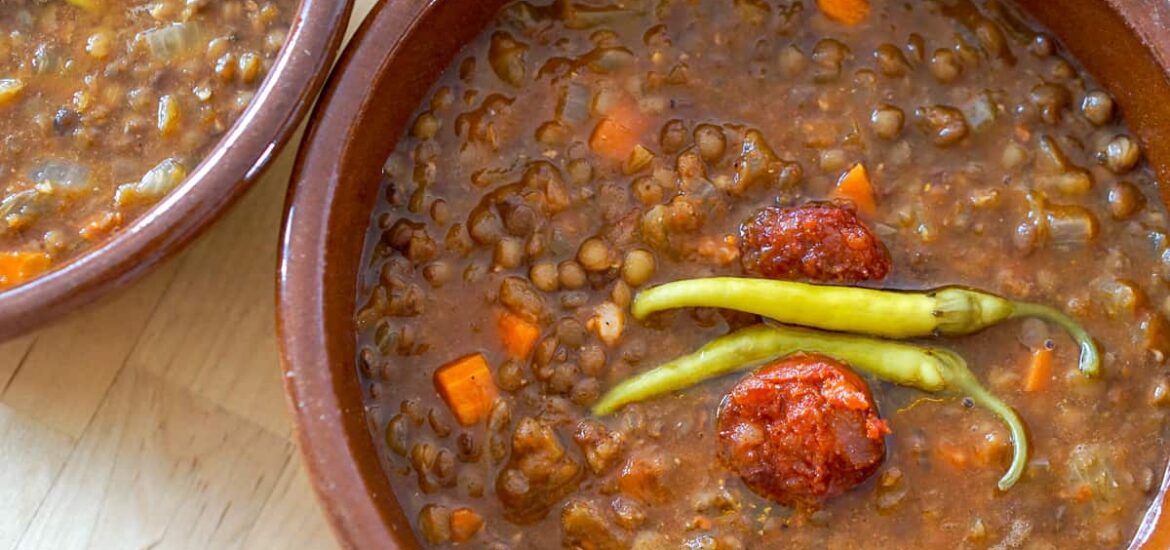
[[887, 121], [1097, 107], [1121, 154], [594, 255]]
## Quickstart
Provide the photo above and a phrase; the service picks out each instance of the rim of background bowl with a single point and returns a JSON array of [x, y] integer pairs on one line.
[[233, 165], [331, 429]]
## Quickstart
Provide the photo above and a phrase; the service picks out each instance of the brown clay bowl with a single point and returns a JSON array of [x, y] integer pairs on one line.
[[229, 169], [397, 54]]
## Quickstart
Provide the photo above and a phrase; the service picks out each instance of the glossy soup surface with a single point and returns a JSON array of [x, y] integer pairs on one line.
[[107, 105], [577, 153]]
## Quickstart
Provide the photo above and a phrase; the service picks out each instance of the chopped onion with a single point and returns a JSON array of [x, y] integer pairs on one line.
[[575, 105], [609, 60], [605, 99], [1091, 464], [10, 88], [608, 322], [1033, 333], [172, 40], [1070, 224], [579, 15], [1050, 159], [24, 203], [1072, 182], [162, 178], [159, 181], [61, 176], [981, 111], [46, 59]]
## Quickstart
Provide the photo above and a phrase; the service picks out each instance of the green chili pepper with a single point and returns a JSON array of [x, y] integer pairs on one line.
[[926, 368], [949, 311]]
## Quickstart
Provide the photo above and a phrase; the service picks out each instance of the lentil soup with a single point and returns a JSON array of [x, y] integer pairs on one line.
[[928, 228], [109, 104]]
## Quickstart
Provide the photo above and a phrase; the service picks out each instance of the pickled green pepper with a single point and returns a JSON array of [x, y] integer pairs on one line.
[[948, 311]]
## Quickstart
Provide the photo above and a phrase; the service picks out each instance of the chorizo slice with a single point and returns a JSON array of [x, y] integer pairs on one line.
[[819, 241], [801, 430]]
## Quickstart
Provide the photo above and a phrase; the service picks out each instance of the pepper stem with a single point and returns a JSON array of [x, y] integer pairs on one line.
[[961, 311], [1090, 359], [961, 381], [1015, 426]]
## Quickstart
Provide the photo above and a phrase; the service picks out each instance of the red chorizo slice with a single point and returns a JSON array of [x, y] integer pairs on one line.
[[823, 242], [801, 430]]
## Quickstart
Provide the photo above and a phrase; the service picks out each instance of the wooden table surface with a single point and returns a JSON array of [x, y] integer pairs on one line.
[[156, 417]]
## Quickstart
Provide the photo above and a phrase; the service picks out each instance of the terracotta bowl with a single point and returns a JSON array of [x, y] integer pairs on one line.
[[229, 169], [385, 73]]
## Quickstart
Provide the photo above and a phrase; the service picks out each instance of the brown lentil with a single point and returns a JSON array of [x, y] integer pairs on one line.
[[1121, 154], [594, 255], [1097, 106], [887, 121], [571, 275]]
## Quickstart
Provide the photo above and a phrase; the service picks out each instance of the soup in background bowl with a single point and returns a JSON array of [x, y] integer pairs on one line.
[[111, 108], [935, 232]]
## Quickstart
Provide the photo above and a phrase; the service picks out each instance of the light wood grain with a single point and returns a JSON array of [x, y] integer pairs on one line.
[[33, 457], [155, 418], [116, 492], [74, 362], [291, 518], [185, 344], [12, 354]]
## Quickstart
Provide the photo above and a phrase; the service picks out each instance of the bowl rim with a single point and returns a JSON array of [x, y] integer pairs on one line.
[[324, 425], [347, 498], [232, 166]]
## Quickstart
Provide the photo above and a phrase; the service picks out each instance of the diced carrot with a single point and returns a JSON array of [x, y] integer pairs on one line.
[[1083, 493], [849, 12], [466, 385], [617, 134], [518, 335], [700, 523], [100, 225], [641, 478], [856, 187], [992, 448], [952, 455], [718, 251], [18, 267], [465, 523], [1039, 369], [1023, 133]]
